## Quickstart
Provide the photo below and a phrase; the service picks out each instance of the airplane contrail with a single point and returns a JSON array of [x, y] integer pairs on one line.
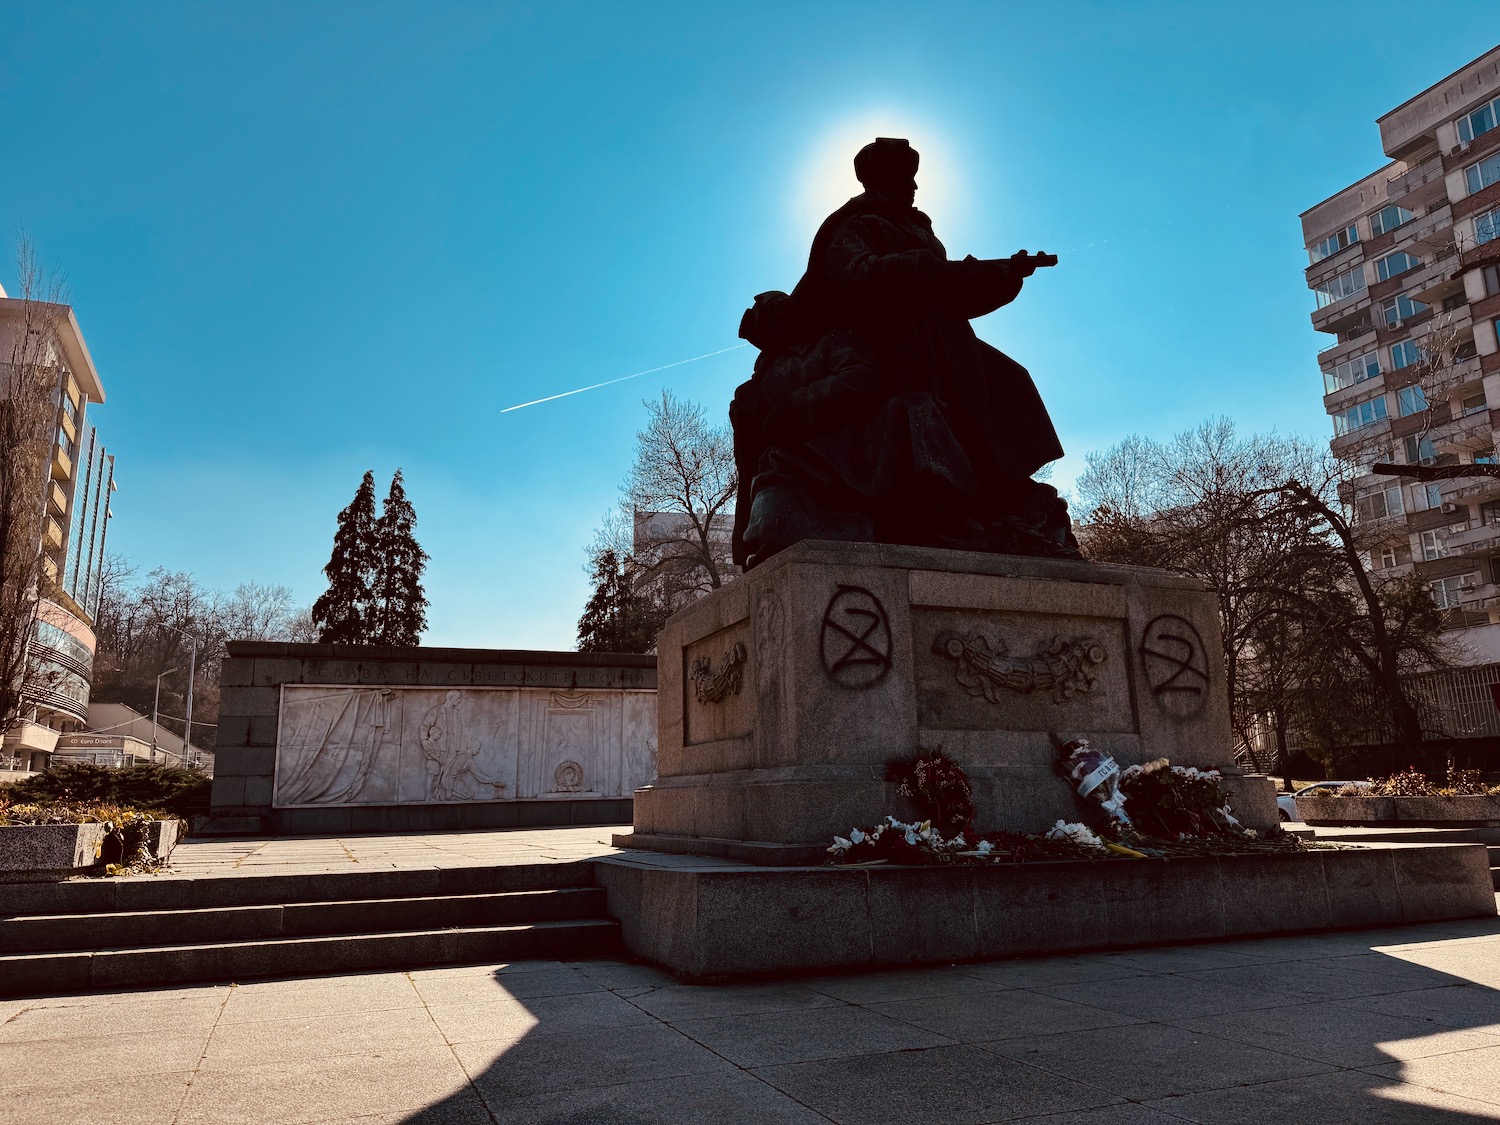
[[621, 379]]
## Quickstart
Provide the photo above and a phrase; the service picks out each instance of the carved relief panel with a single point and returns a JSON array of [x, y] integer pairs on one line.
[[980, 670], [342, 745]]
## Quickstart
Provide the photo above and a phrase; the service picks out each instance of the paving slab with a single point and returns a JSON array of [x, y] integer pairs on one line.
[[960, 1084], [1183, 1061], [773, 1038], [1348, 1097], [1396, 1025]]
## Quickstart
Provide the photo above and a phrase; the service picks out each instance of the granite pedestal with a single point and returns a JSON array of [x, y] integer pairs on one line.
[[783, 695]]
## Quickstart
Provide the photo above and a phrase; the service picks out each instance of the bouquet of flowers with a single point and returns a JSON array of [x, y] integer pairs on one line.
[[1097, 775]]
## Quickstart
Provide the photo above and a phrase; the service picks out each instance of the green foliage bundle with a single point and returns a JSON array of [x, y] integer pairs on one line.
[[168, 788]]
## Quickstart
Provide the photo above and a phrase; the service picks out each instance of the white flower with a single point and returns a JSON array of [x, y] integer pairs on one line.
[[984, 847], [911, 837], [856, 836], [1078, 833], [840, 845]]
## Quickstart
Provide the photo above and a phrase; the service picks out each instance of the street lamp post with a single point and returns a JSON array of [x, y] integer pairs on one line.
[[187, 730], [155, 707]]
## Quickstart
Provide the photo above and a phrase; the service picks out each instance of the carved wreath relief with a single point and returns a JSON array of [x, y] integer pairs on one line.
[[710, 686], [1065, 668]]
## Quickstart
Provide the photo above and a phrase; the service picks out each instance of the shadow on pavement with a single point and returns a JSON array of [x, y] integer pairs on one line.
[[1391, 1026]]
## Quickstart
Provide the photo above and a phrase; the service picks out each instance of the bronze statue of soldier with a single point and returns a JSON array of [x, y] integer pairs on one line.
[[874, 413]]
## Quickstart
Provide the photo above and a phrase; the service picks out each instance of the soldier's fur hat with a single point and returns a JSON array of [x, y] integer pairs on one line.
[[886, 159]]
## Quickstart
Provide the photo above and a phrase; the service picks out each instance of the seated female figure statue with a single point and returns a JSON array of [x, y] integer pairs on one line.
[[874, 413]]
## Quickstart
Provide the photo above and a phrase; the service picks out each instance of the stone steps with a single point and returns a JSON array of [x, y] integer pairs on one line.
[[1397, 835], [72, 932], [117, 933]]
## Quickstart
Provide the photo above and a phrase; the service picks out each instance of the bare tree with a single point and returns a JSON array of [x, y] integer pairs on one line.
[[1264, 524], [30, 386], [680, 495]]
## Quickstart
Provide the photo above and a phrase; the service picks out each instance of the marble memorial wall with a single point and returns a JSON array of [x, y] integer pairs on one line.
[[342, 745]]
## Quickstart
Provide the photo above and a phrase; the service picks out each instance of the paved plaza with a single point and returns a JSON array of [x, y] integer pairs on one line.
[[1395, 1025], [310, 855]]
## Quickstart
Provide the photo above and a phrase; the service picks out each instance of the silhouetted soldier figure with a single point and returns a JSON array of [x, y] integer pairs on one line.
[[874, 413]]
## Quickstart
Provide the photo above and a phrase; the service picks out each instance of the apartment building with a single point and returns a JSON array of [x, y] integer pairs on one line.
[[76, 495], [1405, 269]]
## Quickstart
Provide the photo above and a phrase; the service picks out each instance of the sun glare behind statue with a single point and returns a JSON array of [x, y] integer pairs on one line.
[[827, 177]]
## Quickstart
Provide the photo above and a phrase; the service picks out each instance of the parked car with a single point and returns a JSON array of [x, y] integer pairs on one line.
[[1286, 803]]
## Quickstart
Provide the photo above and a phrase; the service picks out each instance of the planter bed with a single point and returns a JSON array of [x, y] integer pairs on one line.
[[1415, 812], [31, 853]]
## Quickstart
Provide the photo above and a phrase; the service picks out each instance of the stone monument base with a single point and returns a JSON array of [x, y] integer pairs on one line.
[[783, 695], [707, 920]]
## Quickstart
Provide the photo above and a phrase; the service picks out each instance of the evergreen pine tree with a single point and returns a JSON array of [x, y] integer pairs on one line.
[[345, 613], [616, 618], [402, 613]]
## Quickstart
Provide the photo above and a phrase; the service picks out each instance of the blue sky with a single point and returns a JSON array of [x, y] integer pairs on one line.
[[304, 241]]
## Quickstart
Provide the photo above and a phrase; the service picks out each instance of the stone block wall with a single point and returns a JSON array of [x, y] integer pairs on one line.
[[417, 757]]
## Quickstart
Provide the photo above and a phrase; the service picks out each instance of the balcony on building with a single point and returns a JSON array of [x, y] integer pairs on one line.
[[1436, 278], [1468, 536], [1434, 230], [1412, 127], [1419, 188], [1467, 433], [62, 464], [1470, 490], [1346, 316]]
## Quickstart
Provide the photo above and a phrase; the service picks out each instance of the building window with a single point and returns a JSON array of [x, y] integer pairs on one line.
[[1387, 557], [1344, 285], [1401, 307], [1352, 371], [1491, 280], [1425, 497], [1481, 121], [1487, 227], [1404, 354], [1474, 404], [1360, 415], [1410, 400], [1338, 240], [1483, 174], [1489, 513], [1389, 218], [1392, 265], [1433, 547], [1419, 451], [1378, 505], [1446, 591]]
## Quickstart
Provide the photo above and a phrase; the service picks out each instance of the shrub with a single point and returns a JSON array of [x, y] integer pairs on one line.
[[173, 788]]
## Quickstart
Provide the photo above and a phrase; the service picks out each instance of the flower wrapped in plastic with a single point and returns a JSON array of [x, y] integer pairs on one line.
[[1095, 774]]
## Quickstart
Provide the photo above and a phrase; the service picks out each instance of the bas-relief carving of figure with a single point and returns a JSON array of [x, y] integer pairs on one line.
[[451, 754], [874, 413], [341, 736]]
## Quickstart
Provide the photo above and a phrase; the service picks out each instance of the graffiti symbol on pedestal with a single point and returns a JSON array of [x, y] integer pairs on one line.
[[855, 645], [1176, 665]]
